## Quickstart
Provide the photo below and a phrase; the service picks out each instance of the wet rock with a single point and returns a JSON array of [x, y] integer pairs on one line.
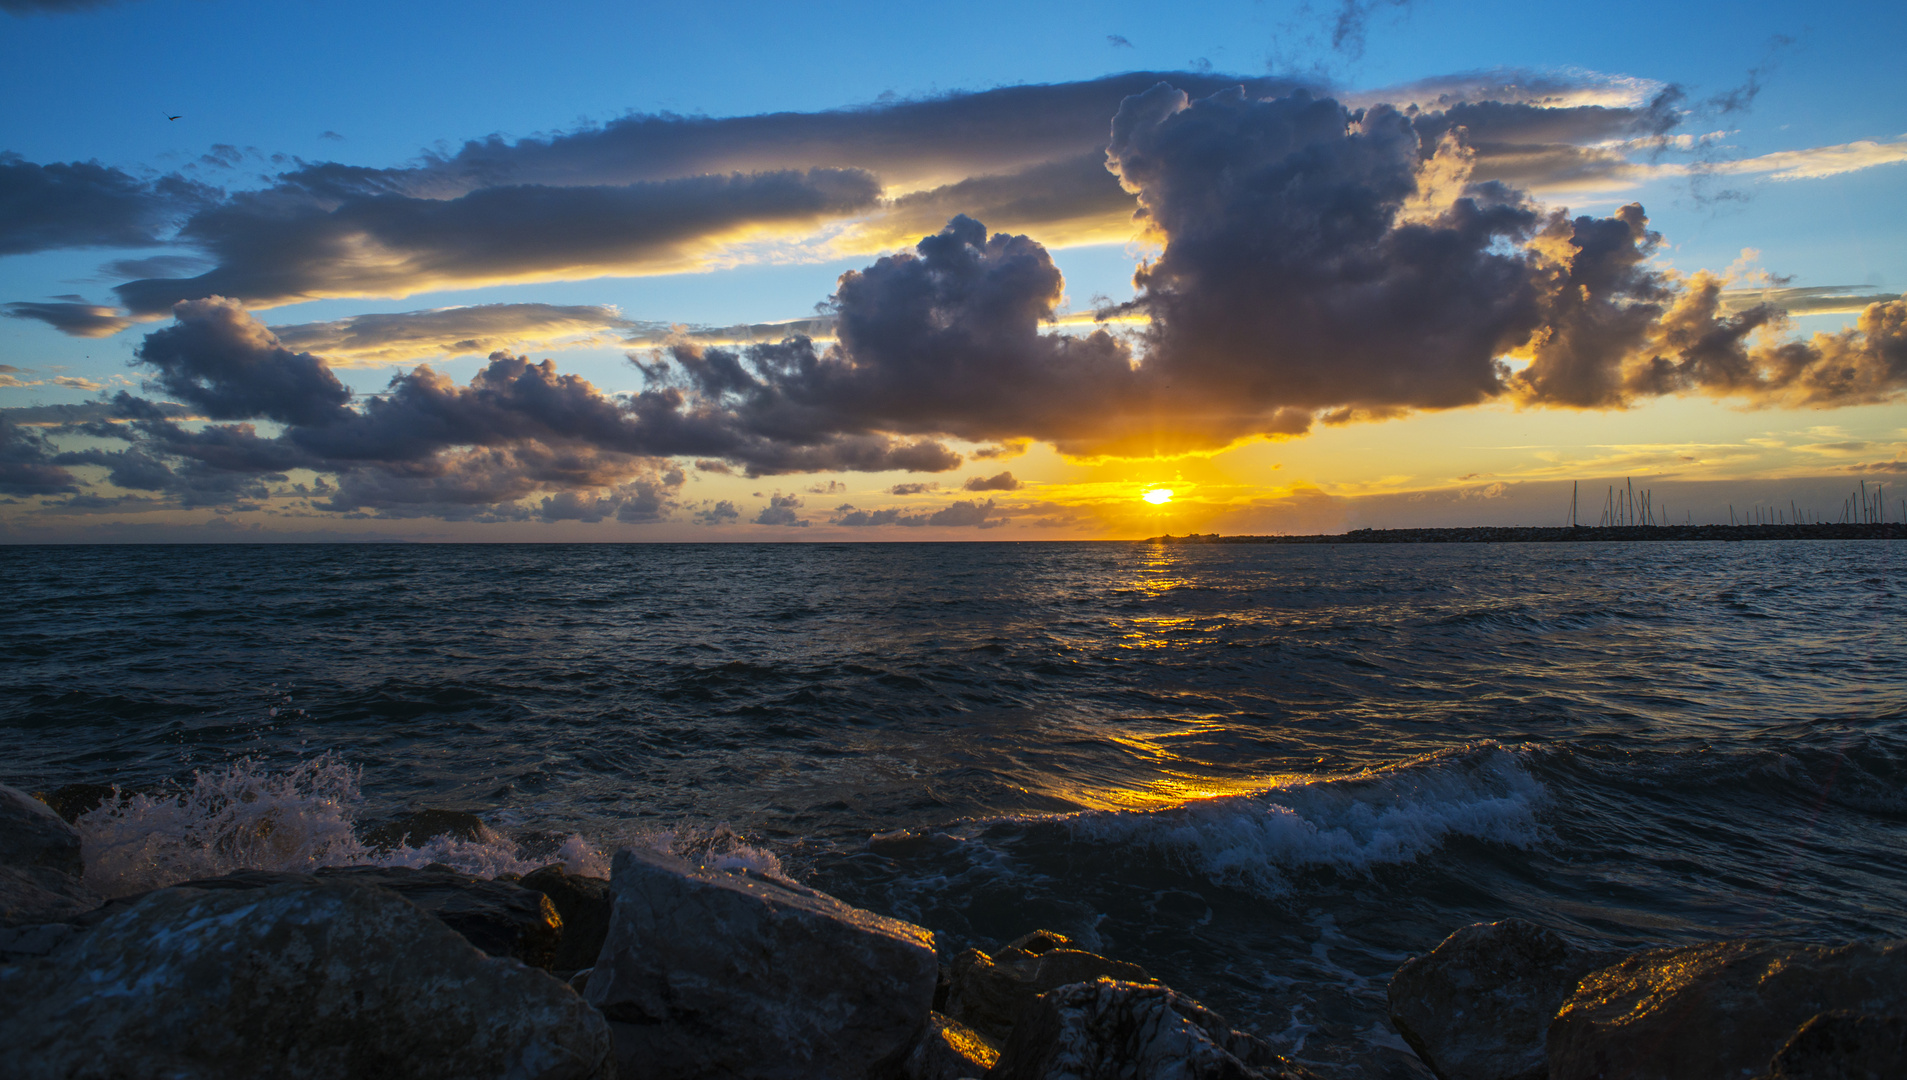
[[41, 894], [990, 994], [1109, 1030], [583, 904], [305, 982], [500, 918], [1715, 1011], [711, 972], [31, 834], [69, 801], [1844, 1045], [950, 1050], [1478, 1006], [417, 827], [18, 943]]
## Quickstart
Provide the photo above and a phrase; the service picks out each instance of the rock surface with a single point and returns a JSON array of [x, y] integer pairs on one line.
[[41, 894], [498, 917], [1844, 1045], [1478, 1006], [711, 972], [950, 1050], [1109, 1030], [991, 994], [31, 834], [1715, 1011], [583, 904], [305, 982]]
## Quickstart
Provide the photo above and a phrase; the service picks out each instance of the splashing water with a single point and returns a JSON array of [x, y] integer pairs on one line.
[[247, 817]]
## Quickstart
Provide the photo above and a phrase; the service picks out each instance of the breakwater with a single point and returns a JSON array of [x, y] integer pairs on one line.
[[1527, 534]]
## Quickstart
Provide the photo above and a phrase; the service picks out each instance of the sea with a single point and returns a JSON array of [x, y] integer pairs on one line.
[[1268, 774]]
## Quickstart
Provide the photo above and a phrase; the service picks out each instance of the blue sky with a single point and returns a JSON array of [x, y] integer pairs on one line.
[[263, 91]]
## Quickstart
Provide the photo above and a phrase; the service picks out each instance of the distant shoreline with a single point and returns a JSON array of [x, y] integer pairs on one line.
[[1485, 534]]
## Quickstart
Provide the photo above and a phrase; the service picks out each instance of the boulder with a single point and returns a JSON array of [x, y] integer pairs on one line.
[[31, 834], [583, 905], [18, 943], [709, 972], [1109, 1030], [1844, 1045], [301, 981], [950, 1050], [500, 918], [1478, 1006], [990, 994], [41, 894], [69, 801], [1715, 1011]]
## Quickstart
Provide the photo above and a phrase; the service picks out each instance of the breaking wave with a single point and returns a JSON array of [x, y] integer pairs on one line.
[[1392, 814]]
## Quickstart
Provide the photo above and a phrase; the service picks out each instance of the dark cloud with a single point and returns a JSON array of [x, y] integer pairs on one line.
[[998, 482], [288, 244], [26, 463], [73, 319], [86, 204], [480, 329], [220, 360], [720, 512], [781, 510], [914, 489], [962, 514]]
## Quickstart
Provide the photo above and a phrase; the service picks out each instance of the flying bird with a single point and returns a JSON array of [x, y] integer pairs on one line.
[[179, 117]]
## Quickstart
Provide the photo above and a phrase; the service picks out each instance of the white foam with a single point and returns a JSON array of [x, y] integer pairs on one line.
[[1390, 815], [247, 817]]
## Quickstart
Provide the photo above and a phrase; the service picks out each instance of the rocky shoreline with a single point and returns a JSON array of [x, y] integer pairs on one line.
[[1507, 534], [673, 969]]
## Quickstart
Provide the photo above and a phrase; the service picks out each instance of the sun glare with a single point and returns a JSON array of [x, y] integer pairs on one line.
[[1158, 496]]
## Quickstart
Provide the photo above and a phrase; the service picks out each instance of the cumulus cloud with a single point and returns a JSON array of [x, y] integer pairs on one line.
[[781, 510], [965, 513], [998, 482], [26, 463]]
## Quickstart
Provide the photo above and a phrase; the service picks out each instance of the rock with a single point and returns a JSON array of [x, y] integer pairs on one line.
[[1109, 1030], [733, 973], [500, 918], [1844, 1045], [41, 894], [579, 981], [305, 982], [69, 801], [1717, 1010], [414, 828], [31, 834], [18, 943], [1478, 1006], [991, 994], [583, 905], [950, 1050]]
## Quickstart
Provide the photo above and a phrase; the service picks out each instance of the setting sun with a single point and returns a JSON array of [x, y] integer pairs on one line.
[[1158, 496]]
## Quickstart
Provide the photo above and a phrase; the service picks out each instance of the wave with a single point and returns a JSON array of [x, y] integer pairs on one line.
[[1393, 814]]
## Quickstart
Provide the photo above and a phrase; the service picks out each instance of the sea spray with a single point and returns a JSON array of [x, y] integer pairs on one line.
[[245, 816]]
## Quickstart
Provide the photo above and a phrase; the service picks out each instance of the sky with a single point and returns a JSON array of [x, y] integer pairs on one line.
[[987, 271]]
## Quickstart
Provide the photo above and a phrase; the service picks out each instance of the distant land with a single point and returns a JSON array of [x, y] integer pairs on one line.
[[1563, 534]]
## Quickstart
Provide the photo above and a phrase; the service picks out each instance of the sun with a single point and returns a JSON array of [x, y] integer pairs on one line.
[[1158, 496]]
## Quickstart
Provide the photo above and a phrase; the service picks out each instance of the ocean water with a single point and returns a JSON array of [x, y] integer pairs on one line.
[[1268, 774]]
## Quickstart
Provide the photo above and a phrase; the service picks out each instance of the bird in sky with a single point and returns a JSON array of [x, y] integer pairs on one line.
[[179, 117]]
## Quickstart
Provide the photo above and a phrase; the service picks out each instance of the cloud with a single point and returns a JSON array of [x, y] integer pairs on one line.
[[86, 204], [998, 482], [781, 510], [287, 243], [1820, 161], [914, 488], [73, 319], [965, 513], [480, 329], [26, 463]]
